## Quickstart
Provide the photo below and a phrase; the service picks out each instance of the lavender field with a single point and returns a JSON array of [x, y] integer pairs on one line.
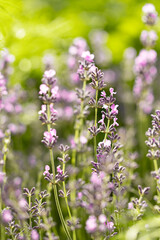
[[79, 120]]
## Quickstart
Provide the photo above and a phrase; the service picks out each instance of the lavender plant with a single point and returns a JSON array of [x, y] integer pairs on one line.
[[87, 190]]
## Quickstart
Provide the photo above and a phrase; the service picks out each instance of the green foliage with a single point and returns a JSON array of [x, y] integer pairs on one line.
[[28, 28]]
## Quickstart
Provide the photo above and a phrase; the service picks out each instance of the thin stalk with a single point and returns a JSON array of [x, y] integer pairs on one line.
[[39, 221], [4, 159], [29, 204], [55, 186], [73, 161], [82, 105], [107, 129], [76, 139], [156, 170], [66, 199], [95, 123], [65, 193]]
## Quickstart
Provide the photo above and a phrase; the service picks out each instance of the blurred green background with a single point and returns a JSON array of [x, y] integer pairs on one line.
[[30, 27]]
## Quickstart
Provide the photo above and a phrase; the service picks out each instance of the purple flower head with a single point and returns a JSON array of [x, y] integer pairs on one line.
[[102, 218], [22, 204], [111, 90], [46, 172], [102, 120], [110, 226], [115, 122], [95, 179], [149, 14], [78, 47], [148, 38], [106, 143], [34, 235], [103, 93], [79, 195], [130, 205], [59, 170], [43, 89], [114, 110], [81, 45], [49, 77], [3, 89], [54, 91], [50, 138], [7, 215], [146, 57], [91, 224], [47, 168], [87, 56], [43, 109], [83, 139]]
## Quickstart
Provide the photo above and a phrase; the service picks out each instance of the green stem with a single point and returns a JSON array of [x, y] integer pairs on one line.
[[55, 186], [95, 123], [39, 221], [65, 193], [76, 139], [73, 161], [66, 199], [4, 159], [29, 204], [107, 129], [82, 104], [156, 170]]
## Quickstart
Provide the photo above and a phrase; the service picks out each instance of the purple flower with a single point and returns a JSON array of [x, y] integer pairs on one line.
[[83, 139], [34, 235], [115, 122], [49, 77], [148, 38], [111, 90], [3, 90], [103, 93], [43, 109], [43, 89], [87, 56], [7, 216], [102, 218], [106, 143], [114, 110], [110, 226], [46, 172], [91, 224], [95, 179], [54, 91], [150, 14], [49, 74], [50, 138], [59, 170], [130, 205], [22, 203]]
